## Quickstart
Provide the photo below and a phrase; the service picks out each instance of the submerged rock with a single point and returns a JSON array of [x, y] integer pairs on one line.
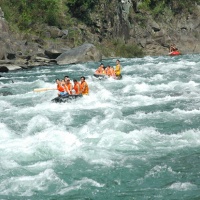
[[6, 93]]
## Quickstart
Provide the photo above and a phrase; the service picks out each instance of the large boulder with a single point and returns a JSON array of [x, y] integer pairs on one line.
[[84, 53]]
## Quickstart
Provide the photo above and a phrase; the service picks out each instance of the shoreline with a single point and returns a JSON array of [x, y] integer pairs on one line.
[[8, 66]]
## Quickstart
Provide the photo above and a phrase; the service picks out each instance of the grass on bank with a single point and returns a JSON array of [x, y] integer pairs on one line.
[[117, 48], [156, 7]]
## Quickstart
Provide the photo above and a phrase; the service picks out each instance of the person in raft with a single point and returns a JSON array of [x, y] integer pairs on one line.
[[112, 71], [118, 69], [172, 48], [68, 85], [61, 88], [76, 87], [100, 69], [84, 89], [108, 71]]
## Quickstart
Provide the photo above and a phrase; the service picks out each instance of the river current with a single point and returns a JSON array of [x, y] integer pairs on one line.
[[132, 139]]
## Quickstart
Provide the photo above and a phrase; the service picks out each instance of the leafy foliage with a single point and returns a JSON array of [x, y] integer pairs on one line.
[[129, 51], [28, 12], [81, 8], [157, 6], [117, 48]]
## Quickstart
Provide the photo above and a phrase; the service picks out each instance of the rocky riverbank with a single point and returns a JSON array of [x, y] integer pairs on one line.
[[124, 22], [22, 52]]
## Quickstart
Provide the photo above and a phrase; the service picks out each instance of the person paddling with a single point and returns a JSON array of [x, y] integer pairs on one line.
[[84, 89], [61, 88]]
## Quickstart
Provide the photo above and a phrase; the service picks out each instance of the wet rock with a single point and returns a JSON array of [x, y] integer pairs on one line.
[[4, 69], [13, 67]]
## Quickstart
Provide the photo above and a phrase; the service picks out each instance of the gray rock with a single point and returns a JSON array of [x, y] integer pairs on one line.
[[55, 32], [13, 67], [52, 54], [65, 32], [84, 53], [5, 62]]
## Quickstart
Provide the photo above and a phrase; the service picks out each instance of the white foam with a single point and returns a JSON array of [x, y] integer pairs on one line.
[[5, 133], [182, 186], [37, 124], [157, 170], [30, 185], [83, 183], [104, 128]]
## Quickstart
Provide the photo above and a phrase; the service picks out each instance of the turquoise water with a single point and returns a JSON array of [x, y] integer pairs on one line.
[[135, 138]]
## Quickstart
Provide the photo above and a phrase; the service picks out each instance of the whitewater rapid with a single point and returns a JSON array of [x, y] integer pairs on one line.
[[135, 138]]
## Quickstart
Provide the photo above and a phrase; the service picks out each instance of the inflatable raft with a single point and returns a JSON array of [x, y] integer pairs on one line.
[[62, 99], [102, 76], [175, 53]]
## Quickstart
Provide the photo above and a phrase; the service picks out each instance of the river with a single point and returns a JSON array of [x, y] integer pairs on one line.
[[132, 139]]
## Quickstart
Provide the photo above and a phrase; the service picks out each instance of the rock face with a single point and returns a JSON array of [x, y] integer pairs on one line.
[[84, 53], [128, 22]]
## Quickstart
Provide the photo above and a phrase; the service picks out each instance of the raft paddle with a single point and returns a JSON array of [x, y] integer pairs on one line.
[[43, 89]]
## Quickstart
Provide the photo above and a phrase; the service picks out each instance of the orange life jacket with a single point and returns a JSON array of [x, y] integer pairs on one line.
[[60, 88], [77, 87], [69, 86], [99, 70], [84, 88], [108, 72]]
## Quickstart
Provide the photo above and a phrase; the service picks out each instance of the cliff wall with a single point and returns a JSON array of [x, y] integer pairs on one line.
[[152, 33]]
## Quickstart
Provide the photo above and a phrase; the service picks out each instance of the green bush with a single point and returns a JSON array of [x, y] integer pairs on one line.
[[25, 13], [141, 19], [129, 51], [157, 6], [118, 48], [81, 8]]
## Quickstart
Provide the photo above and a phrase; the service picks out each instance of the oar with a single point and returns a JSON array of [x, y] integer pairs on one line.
[[43, 89]]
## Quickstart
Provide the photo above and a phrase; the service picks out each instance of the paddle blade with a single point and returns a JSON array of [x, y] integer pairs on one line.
[[43, 89]]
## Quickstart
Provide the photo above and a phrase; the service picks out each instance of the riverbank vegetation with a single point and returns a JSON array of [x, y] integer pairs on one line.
[[176, 6], [29, 16], [25, 13]]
